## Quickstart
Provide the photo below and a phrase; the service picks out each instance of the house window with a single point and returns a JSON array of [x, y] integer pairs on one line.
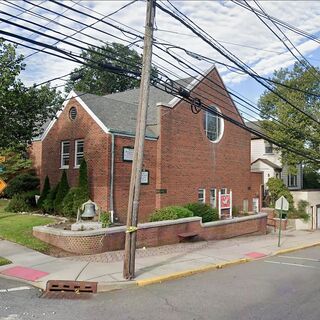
[[213, 125], [268, 147], [65, 154], [201, 195], [213, 198], [79, 147], [292, 180]]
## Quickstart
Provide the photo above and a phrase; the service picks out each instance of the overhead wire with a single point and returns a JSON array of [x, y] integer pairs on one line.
[[226, 53]]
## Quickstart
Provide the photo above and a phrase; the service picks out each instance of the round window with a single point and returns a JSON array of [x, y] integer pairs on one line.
[[73, 113], [213, 125]]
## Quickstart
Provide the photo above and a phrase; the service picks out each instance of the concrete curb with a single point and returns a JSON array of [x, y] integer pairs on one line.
[[283, 251], [183, 274]]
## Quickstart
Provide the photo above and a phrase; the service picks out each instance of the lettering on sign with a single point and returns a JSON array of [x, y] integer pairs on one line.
[[145, 177], [127, 154]]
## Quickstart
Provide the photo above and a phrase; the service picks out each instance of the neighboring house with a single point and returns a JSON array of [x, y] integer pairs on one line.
[[264, 158], [188, 157]]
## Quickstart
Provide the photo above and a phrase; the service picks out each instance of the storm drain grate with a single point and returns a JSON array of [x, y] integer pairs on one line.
[[62, 289]]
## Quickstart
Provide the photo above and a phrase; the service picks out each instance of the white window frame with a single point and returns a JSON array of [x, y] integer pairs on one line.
[[219, 124], [76, 152], [295, 180], [203, 198], [213, 197], [63, 155], [268, 146]]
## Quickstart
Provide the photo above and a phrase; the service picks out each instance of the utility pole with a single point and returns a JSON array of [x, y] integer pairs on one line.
[[135, 183]]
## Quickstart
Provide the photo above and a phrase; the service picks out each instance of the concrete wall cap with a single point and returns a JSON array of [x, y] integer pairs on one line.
[[234, 220]]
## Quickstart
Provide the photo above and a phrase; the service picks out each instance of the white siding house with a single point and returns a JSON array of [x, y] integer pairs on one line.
[[264, 158]]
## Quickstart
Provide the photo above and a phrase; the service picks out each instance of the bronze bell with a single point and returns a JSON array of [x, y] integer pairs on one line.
[[89, 210]]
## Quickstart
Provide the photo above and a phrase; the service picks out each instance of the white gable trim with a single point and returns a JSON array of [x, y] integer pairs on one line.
[[71, 95]]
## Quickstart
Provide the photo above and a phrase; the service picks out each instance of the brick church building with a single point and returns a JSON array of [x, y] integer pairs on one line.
[[188, 157]]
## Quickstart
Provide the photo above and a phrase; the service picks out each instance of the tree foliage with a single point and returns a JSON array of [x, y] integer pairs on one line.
[[23, 110], [96, 79], [45, 192], [16, 162], [301, 132]]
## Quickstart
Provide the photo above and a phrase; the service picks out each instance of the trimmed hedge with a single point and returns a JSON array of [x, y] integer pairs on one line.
[[45, 192], [170, 213], [18, 204], [72, 201], [61, 193], [204, 211]]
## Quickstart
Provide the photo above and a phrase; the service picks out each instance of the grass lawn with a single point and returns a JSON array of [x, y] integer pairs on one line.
[[18, 228], [4, 261]]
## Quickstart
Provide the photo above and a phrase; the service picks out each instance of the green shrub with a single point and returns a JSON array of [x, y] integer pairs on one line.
[[276, 189], [204, 211], [105, 219], [170, 213], [300, 212], [62, 192], [235, 211], [77, 196], [18, 204], [45, 192], [48, 203], [83, 177], [21, 183], [29, 198], [72, 201]]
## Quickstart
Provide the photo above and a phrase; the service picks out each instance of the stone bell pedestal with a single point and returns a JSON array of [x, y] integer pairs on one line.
[[86, 225]]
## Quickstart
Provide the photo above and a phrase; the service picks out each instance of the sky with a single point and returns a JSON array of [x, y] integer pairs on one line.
[[237, 29]]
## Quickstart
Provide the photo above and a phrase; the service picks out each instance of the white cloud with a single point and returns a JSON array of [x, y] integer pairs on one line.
[[224, 21]]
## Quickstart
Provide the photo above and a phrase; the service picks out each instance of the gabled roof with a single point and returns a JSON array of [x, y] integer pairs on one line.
[[117, 112], [268, 162], [255, 125]]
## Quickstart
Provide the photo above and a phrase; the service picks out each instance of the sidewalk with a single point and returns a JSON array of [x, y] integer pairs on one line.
[[152, 264]]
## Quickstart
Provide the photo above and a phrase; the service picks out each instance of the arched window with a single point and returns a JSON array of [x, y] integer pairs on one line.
[[213, 125]]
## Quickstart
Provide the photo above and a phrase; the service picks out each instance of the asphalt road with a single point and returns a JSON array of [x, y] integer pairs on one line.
[[283, 287]]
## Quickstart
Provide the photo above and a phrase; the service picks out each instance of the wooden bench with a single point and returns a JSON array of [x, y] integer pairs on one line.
[[187, 236]]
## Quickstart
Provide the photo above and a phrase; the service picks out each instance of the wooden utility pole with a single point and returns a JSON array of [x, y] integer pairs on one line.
[[134, 193]]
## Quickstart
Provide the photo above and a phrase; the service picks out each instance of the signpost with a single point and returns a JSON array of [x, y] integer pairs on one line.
[[3, 185], [282, 204]]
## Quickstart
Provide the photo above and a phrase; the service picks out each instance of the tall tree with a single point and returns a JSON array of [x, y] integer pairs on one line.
[[300, 132], [94, 77], [23, 110]]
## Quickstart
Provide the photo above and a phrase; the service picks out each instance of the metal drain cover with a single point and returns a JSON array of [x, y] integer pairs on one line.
[[62, 289]]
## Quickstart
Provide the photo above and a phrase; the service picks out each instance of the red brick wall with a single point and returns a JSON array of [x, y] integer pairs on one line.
[[122, 177], [187, 160], [35, 154], [96, 152], [154, 235]]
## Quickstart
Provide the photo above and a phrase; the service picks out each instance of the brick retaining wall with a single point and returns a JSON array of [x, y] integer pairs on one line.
[[150, 234]]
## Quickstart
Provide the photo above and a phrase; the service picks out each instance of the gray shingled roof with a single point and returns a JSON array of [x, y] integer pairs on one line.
[[118, 111], [256, 125]]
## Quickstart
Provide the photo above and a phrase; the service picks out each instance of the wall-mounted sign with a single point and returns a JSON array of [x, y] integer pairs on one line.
[[127, 154], [145, 177], [225, 201]]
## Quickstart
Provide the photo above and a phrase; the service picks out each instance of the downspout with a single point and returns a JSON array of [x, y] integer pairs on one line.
[[112, 179]]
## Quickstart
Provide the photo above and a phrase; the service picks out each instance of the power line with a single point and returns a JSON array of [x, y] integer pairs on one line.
[[304, 61], [281, 23], [235, 60]]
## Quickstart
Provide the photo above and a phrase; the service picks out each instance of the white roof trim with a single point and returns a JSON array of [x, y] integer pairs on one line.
[[93, 116], [71, 95]]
